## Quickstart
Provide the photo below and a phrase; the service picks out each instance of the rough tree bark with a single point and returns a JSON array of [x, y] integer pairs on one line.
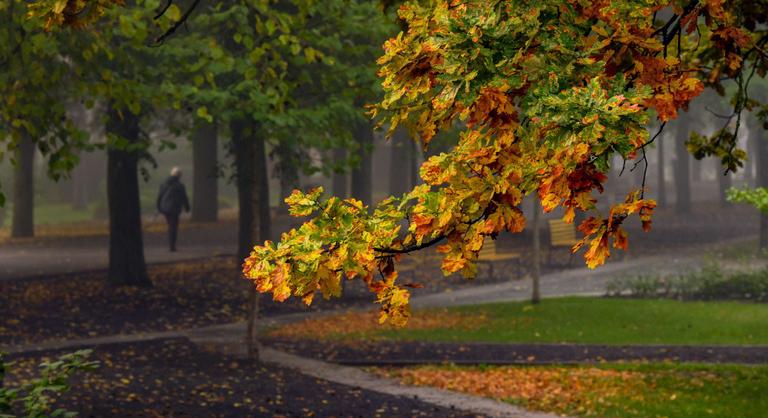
[[253, 201], [682, 167], [205, 185], [362, 175], [24, 189], [126, 247]]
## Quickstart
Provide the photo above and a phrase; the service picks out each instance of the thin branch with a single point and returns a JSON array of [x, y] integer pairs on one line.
[[160, 39], [423, 245], [163, 9], [411, 248], [719, 115]]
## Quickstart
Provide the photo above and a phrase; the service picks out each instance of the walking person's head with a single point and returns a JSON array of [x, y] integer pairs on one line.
[[176, 172]]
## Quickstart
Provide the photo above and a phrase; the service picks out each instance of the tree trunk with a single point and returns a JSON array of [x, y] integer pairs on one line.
[[126, 247], [696, 168], [362, 176], [682, 167], [79, 193], [289, 181], [205, 187], [400, 170], [413, 160], [724, 182], [662, 182], [24, 189], [762, 181], [253, 201], [340, 179], [752, 168], [535, 293]]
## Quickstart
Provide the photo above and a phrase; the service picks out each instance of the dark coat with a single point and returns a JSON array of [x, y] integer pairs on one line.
[[172, 197]]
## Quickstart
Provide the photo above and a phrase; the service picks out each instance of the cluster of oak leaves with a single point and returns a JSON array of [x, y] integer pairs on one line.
[[546, 93]]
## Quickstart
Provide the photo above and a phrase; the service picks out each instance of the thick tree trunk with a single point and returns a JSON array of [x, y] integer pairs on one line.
[[362, 175], [24, 189], [400, 170], [762, 181], [253, 200], [205, 187], [682, 167], [126, 247], [340, 180]]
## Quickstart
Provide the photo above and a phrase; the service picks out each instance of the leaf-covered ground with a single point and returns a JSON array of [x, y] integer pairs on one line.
[[561, 320], [175, 378], [642, 390], [184, 295]]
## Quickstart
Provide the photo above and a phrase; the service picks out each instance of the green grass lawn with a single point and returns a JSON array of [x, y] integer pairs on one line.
[[596, 320], [638, 389], [60, 213]]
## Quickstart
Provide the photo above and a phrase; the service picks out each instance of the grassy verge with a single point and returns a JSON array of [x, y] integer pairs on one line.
[[563, 320], [643, 390]]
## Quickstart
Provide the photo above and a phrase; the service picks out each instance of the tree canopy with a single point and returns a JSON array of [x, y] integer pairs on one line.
[[547, 92]]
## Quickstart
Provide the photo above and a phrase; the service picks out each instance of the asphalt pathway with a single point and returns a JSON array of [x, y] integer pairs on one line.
[[47, 256]]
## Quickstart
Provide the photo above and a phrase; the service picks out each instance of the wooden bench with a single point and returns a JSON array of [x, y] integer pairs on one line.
[[490, 255], [561, 234]]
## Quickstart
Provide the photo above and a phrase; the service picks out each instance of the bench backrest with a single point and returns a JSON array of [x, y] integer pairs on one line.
[[489, 248], [561, 233]]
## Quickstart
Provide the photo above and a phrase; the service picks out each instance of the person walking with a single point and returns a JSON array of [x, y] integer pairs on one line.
[[171, 199]]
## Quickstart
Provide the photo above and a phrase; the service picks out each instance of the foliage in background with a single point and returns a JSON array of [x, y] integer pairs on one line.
[[709, 283], [757, 197], [35, 88], [36, 397]]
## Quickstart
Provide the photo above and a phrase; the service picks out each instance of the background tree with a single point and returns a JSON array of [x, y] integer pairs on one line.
[[205, 182], [32, 108], [682, 166]]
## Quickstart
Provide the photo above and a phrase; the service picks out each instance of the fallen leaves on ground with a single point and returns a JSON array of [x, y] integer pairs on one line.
[[175, 378], [184, 295], [561, 390], [353, 324]]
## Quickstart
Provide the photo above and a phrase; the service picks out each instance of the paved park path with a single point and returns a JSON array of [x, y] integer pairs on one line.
[[37, 257]]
